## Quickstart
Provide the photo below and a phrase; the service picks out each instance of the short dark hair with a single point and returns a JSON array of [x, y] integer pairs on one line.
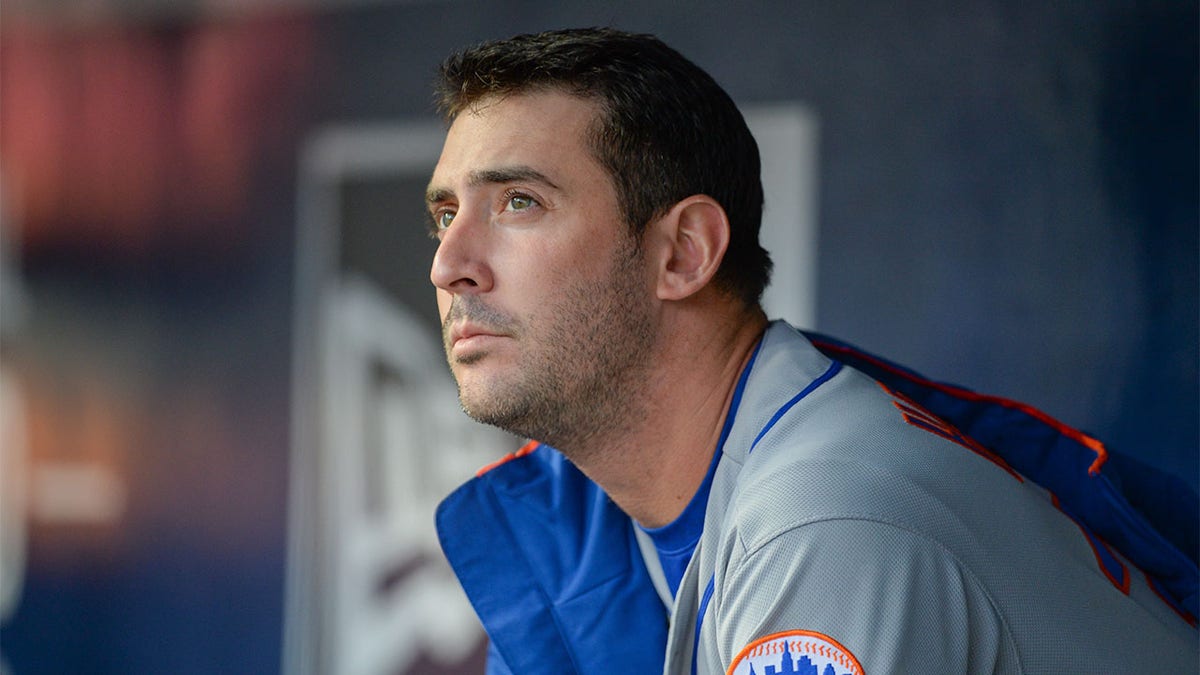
[[666, 130]]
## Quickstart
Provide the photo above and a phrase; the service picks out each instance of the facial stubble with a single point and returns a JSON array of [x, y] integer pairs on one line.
[[582, 363]]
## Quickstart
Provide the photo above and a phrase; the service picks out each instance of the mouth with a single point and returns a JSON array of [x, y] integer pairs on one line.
[[469, 337]]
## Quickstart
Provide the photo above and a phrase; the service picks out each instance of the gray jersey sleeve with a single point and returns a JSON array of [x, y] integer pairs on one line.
[[897, 601]]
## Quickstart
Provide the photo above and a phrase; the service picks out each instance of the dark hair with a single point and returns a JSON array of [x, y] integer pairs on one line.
[[666, 129]]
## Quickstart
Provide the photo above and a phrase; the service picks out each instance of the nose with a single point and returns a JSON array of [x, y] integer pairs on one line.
[[460, 263]]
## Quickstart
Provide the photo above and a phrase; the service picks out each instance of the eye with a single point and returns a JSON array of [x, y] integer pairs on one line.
[[519, 202], [439, 221]]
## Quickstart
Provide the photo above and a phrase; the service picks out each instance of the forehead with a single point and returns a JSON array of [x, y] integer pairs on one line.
[[546, 130]]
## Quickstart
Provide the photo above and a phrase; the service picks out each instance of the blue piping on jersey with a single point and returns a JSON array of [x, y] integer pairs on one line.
[[833, 370], [708, 591], [736, 402]]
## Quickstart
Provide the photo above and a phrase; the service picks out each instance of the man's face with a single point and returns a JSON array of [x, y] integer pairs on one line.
[[545, 297]]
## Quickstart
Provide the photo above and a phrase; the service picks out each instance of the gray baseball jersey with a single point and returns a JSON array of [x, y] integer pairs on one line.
[[847, 533]]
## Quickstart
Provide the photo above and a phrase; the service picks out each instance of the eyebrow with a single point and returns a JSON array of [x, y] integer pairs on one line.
[[506, 174]]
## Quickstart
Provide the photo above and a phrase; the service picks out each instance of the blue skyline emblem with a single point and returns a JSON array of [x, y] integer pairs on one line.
[[790, 666]]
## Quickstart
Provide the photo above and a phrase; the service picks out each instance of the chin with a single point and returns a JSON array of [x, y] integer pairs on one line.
[[476, 398]]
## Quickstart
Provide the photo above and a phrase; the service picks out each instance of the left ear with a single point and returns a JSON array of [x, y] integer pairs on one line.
[[691, 240]]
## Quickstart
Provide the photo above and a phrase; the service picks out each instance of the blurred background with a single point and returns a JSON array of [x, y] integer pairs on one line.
[[225, 418]]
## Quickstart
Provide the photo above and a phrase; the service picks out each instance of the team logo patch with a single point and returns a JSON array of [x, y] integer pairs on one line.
[[801, 652]]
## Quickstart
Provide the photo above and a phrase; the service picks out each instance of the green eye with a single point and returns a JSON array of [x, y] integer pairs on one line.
[[444, 219], [519, 202]]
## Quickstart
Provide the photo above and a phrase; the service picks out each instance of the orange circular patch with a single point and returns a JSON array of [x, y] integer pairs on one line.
[[795, 651]]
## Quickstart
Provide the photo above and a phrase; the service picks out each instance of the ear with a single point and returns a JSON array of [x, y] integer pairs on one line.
[[691, 241]]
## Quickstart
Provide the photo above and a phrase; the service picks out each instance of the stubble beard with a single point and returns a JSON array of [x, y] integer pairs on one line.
[[581, 373]]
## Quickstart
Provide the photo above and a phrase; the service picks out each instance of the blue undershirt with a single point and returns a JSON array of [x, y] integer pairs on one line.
[[676, 541]]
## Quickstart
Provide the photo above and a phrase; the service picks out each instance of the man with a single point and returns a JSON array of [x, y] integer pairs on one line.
[[708, 492]]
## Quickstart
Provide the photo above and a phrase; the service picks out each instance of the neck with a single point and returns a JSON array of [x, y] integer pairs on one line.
[[652, 470]]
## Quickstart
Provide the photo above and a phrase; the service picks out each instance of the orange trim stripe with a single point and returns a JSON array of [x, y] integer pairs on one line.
[[1183, 614], [525, 450], [1070, 432], [1095, 541], [921, 418]]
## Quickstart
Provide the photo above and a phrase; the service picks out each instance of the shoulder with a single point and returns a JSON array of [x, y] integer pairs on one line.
[[848, 453], [892, 599], [847, 448], [842, 495]]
